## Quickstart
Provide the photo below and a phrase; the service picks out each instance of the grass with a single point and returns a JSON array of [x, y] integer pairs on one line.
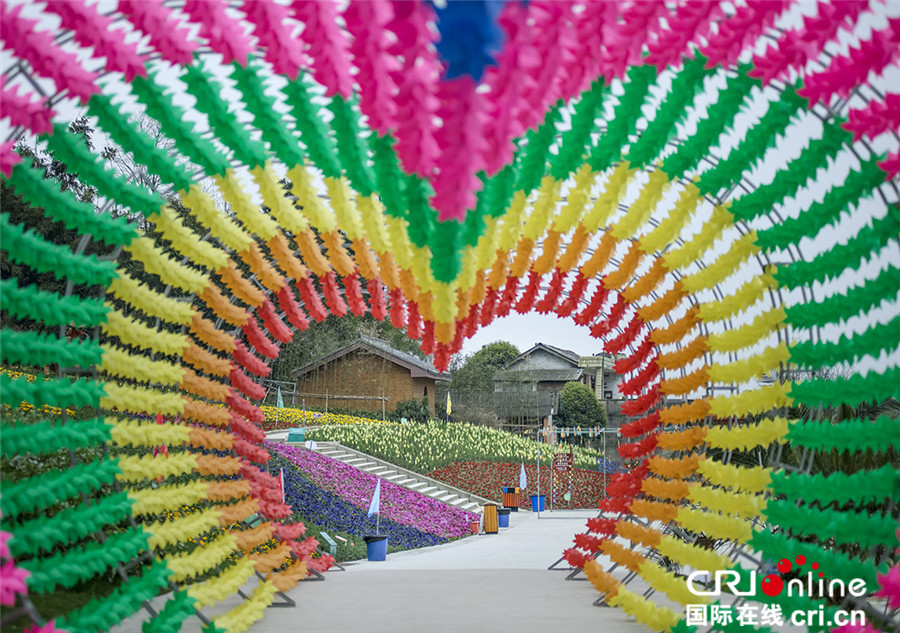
[[349, 549]]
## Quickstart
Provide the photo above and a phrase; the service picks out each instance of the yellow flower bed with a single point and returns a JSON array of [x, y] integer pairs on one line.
[[12, 373], [287, 417], [27, 406]]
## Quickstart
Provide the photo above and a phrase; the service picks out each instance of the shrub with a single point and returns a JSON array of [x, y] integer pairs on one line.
[[578, 406], [413, 410]]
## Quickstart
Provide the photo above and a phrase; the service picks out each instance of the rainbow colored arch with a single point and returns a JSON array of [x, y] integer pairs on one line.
[[710, 188]]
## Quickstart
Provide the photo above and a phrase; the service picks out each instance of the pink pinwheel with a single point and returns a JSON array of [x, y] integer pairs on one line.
[[890, 587], [8, 158], [4, 548], [22, 110], [47, 60], [877, 117], [50, 627], [273, 29], [855, 628], [224, 34], [12, 582], [891, 166], [166, 34], [328, 47], [93, 30]]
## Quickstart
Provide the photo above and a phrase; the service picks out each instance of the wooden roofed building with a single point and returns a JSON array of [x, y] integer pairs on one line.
[[369, 375]]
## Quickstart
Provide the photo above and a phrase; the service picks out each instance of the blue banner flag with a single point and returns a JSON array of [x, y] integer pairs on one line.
[[523, 478], [375, 505], [280, 402]]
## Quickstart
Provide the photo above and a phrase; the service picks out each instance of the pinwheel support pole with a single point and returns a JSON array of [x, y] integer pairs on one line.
[[538, 466]]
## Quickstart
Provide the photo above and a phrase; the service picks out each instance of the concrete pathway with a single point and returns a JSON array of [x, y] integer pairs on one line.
[[485, 583], [491, 582]]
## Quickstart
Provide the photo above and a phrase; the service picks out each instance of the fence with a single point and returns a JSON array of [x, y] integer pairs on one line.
[[512, 409], [520, 407]]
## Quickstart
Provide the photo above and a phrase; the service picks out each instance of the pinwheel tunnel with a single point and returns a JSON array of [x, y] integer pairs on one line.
[[722, 215]]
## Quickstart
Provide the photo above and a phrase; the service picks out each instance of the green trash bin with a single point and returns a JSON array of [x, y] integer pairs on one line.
[[296, 435]]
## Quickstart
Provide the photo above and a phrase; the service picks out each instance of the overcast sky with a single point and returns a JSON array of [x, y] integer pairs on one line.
[[524, 331]]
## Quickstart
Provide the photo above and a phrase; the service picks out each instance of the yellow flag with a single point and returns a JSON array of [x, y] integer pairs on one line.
[[449, 404]]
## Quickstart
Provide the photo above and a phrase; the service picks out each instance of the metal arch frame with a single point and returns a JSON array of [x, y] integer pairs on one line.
[[782, 331], [145, 556], [762, 259]]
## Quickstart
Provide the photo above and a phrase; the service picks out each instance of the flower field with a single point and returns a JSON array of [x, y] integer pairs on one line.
[[487, 479], [45, 409], [287, 418], [355, 487], [424, 448]]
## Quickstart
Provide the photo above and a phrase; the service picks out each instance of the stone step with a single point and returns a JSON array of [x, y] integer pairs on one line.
[[390, 473], [337, 454], [379, 471]]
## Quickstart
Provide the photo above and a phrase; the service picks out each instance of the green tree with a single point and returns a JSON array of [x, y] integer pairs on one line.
[[579, 407], [477, 371]]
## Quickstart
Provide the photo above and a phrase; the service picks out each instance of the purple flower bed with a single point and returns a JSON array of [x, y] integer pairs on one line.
[[328, 511], [397, 503]]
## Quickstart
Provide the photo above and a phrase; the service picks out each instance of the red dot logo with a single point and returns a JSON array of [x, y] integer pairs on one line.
[[784, 566], [800, 559], [772, 585]]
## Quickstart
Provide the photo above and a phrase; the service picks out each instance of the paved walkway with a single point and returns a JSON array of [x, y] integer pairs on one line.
[[486, 583]]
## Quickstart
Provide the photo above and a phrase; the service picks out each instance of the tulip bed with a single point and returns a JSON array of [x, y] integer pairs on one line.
[[487, 479], [424, 448], [287, 418]]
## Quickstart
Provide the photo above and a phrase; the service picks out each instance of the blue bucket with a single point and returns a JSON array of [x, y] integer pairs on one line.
[[376, 547], [503, 517], [537, 503]]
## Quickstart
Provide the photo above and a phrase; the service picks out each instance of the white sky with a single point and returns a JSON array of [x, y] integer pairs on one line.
[[525, 330]]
